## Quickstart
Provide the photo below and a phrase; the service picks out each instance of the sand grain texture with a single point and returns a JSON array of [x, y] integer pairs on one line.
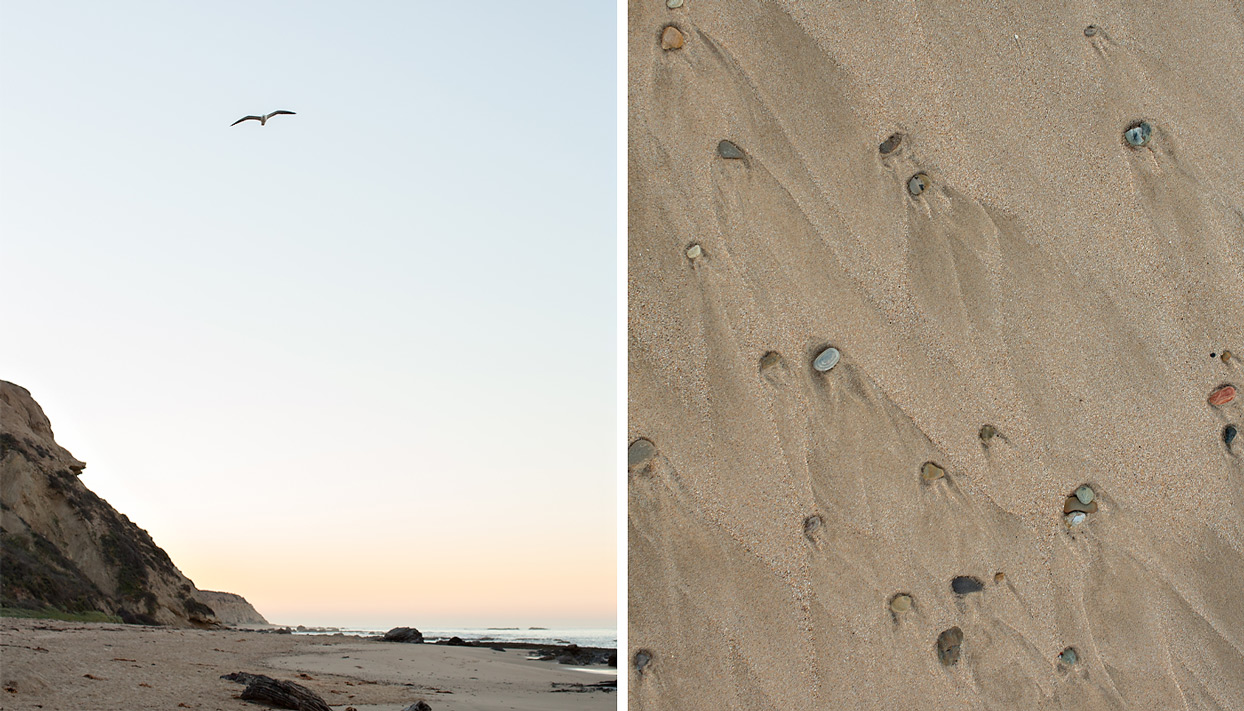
[[1052, 282]]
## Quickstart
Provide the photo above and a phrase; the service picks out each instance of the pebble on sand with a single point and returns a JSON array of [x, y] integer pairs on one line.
[[891, 144], [673, 4], [965, 584], [1073, 504], [671, 38], [827, 359], [949, 643], [642, 657], [726, 149], [1138, 134], [1085, 494], [1228, 434], [1222, 395], [900, 603], [929, 471], [1226, 356], [999, 576], [1068, 656], [694, 251], [918, 183], [640, 451], [988, 432], [1090, 31], [1075, 519]]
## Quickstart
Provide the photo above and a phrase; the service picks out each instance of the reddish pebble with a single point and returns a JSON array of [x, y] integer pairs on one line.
[[1222, 395]]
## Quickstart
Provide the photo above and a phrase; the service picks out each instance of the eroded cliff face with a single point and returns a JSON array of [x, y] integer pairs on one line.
[[231, 609], [64, 547]]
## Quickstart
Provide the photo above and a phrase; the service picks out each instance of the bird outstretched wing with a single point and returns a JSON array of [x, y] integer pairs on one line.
[[276, 113], [246, 118]]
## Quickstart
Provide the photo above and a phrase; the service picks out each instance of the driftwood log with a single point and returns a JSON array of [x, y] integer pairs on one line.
[[283, 694]]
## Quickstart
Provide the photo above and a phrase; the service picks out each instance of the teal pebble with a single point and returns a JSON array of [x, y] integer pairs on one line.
[[1068, 656], [1139, 134]]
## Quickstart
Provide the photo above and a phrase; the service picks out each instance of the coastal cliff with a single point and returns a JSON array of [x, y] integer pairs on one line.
[[64, 548], [230, 609]]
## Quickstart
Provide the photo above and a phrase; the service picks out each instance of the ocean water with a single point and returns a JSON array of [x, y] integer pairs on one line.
[[584, 637]]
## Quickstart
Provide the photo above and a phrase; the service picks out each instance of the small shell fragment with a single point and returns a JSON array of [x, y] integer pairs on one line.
[[930, 471], [1222, 395], [827, 359], [812, 524], [918, 183], [1075, 519]]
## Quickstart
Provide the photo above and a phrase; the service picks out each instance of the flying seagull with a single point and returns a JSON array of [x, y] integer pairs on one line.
[[263, 120]]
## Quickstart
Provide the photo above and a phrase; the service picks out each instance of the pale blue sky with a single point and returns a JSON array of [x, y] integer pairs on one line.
[[377, 338]]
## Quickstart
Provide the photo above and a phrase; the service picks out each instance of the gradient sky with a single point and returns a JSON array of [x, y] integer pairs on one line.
[[357, 365]]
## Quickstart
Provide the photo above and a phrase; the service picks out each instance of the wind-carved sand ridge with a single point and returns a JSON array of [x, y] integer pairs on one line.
[[1052, 281]]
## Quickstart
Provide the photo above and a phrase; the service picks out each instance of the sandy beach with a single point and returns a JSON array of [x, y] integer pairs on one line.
[[49, 664], [1024, 302]]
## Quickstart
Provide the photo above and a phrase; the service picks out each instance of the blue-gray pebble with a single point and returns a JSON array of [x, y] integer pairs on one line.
[[965, 584], [827, 359], [1139, 134], [726, 149]]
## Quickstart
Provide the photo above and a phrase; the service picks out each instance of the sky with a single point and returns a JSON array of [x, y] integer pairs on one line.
[[357, 365]]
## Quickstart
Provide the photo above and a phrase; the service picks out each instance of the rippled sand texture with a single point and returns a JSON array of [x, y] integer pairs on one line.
[[1053, 282]]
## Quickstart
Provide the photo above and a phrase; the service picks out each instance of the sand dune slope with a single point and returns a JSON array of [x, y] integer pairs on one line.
[[1072, 291]]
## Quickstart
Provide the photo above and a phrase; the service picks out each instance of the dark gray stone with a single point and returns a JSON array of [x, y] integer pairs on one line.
[[726, 149], [965, 584]]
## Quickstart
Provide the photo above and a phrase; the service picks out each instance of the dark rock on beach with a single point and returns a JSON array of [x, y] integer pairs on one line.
[[580, 656], [403, 634]]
